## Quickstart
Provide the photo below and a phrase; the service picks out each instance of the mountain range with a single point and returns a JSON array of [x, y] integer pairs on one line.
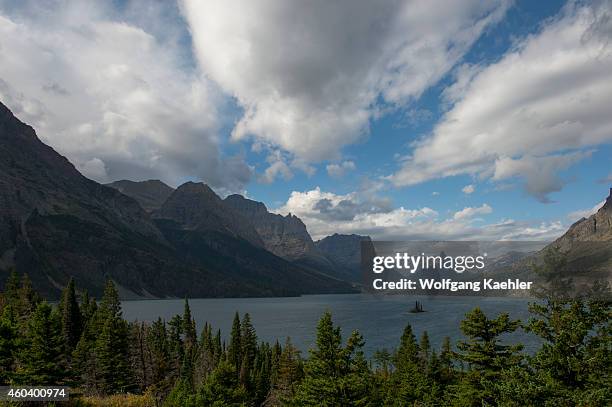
[[150, 239]]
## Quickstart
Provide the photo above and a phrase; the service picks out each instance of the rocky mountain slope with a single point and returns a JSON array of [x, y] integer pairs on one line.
[[285, 236], [150, 194], [345, 252], [56, 224], [195, 206]]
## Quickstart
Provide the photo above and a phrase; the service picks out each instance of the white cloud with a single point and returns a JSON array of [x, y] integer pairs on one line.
[[469, 212], [435, 193], [325, 213], [584, 213], [537, 111], [94, 169], [308, 74], [339, 170], [115, 88], [468, 189]]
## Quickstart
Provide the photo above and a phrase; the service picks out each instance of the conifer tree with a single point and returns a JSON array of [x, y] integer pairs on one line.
[[189, 328], [111, 346], [40, 360], [71, 317], [221, 388], [9, 337], [334, 375], [290, 373], [409, 377], [234, 351], [485, 355]]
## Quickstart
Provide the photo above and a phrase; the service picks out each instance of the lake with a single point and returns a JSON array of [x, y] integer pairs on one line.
[[380, 318]]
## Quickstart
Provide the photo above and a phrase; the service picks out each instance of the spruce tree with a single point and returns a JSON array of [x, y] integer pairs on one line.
[[40, 360], [234, 351], [334, 375], [71, 317], [409, 378], [189, 328], [290, 374], [9, 337], [485, 355], [111, 346]]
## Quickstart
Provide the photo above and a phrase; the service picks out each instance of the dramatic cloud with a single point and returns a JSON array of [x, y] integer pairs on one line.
[[468, 189], [325, 213], [310, 75], [114, 91], [532, 114], [339, 170]]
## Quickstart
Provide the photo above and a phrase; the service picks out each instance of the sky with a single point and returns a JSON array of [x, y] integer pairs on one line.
[[397, 119]]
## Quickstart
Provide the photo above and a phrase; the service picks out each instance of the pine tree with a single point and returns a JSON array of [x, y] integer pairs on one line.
[[111, 346], [485, 356], [9, 337], [221, 388], [409, 377], [71, 317], [334, 375], [40, 361], [234, 351], [248, 346], [290, 374], [189, 328]]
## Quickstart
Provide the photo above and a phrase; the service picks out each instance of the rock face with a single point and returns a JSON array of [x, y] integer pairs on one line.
[[285, 236], [150, 194], [195, 206], [597, 228], [345, 252], [56, 224]]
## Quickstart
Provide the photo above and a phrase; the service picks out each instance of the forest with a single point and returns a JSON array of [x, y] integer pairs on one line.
[[107, 361]]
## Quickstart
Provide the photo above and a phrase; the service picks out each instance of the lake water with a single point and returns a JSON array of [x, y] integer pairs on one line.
[[380, 319]]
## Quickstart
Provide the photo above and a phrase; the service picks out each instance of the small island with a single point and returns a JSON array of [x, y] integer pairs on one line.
[[418, 307]]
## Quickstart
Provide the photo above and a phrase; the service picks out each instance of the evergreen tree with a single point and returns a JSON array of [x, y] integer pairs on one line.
[[290, 373], [71, 317], [248, 350], [111, 346], [409, 377], [40, 360], [234, 351], [189, 328], [485, 355], [334, 375], [9, 338], [221, 388]]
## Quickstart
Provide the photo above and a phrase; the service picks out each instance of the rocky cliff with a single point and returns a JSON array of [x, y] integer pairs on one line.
[[195, 206], [285, 236]]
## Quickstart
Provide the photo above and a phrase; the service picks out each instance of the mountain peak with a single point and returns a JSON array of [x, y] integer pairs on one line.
[[195, 206], [150, 194]]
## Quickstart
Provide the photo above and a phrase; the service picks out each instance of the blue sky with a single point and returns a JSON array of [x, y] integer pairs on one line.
[[398, 120]]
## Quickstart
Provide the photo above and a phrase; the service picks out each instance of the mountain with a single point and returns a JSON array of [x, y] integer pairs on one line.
[[56, 224], [150, 194], [595, 228], [588, 246], [195, 206], [345, 252], [285, 236], [586, 250]]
